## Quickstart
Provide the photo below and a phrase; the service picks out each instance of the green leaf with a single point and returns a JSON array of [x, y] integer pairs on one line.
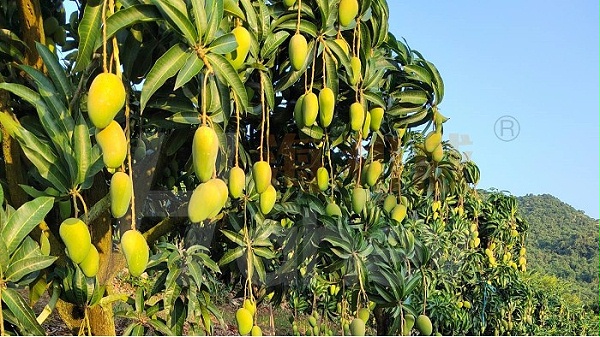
[[251, 16], [164, 68], [227, 75], [56, 72], [231, 255], [160, 327], [259, 268], [127, 17], [267, 253], [411, 97], [185, 118], [272, 43], [29, 265], [374, 98], [200, 20], [82, 148], [236, 238], [89, 30], [25, 316], [215, 16], [178, 21], [306, 26], [267, 84], [191, 68], [23, 220], [232, 8], [223, 44]]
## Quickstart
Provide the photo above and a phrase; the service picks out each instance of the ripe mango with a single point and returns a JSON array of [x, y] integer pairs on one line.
[[326, 106], [322, 178], [222, 193], [261, 173], [113, 143], [356, 66], [256, 331], [298, 49], [438, 154], [105, 98], [205, 148], [376, 118], [310, 109], [389, 203], [289, 3], [399, 213], [366, 125], [343, 44], [357, 116], [267, 199], [423, 324], [237, 182], [244, 321], [243, 39], [76, 237], [357, 327], [432, 140], [347, 11], [363, 314], [90, 265], [373, 173], [250, 306], [136, 251], [333, 210], [298, 117], [207, 200], [120, 194], [359, 199]]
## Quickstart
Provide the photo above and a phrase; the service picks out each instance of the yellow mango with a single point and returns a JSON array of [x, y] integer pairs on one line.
[[256, 331], [347, 12], [357, 116], [298, 49], [120, 194], [244, 321], [136, 251], [237, 182], [399, 212], [343, 44], [113, 143], [207, 200], [376, 118], [373, 173], [389, 203], [298, 117], [363, 314], [90, 265], [243, 39], [366, 124], [250, 306], [76, 237], [357, 327], [261, 173], [267, 199], [322, 178], [432, 140], [222, 193], [326, 106], [356, 66], [205, 148], [438, 154], [359, 199], [310, 109], [105, 98]]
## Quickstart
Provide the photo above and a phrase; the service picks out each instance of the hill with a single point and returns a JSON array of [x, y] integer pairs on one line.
[[562, 241]]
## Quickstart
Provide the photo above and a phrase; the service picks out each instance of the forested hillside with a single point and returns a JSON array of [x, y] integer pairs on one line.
[[562, 241]]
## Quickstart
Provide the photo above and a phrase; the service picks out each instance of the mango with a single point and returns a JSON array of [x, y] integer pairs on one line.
[[90, 265], [333, 210], [363, 314], [250, 306], [105, 98], [432, 140], [207, 200], [359, 199], [289, 3], [322, 178], [347, 11], [357, 116], [205, 148], [366, 124], [376, 118], [76, 237], [136, 251], [409, 322], [222, 193], [45, 243], [398, 213], [312, 321], [261, 173], [404, 200], [326, 106], [243, 39], [120, 194], [236, 182], [357, 327], [343, 44], [113, 143], [438, 154], [60, 36], [373, 173], [356, 66], [423, 324], [244, 321], [256, 331], [310, 109], [389, 203], [267, 199], [298, 117], [51, 24], [298, 49]]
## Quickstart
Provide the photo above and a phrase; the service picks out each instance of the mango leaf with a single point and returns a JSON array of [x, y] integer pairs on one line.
[[199, 14], [89, 31], [23, 220], [25, 317], [127, 17], [231, 7], [28, 248], [56, 72], [227, 75], [223, 44], [231, 255], [215, 16], [259, 268], [82, 148], [267, 84], [251, 16], [29, 265], [164, 68], [374, 98], [272, 43], [191, 68], [178, 20]]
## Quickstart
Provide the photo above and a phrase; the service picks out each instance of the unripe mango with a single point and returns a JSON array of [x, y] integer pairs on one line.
[[289, 3], [261, 173], [256, 331], [356, 66], [333, 210], [222, 193], [205, 148], [51, 24], [90, 265], [298, 117], [237, 182], [243, 39], [267, 199], [76, 237], [136, 251], [438, 154], [357, 327], [409, 322], [373, 173], [105, 98], [310, 109], [120, 194], [399, 213], [322, 178], [432, 140], [244, 321], [363, 314], [298, 49], [359, 199], [113, 143], [326, 106], [366, 124], [60, 36], [376, 118], [423, 324], [389, 203], [357, 116], [207, 200], [343, 44], [347, 11]]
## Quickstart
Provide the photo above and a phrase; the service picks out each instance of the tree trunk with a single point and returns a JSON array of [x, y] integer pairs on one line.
[[32, 30]]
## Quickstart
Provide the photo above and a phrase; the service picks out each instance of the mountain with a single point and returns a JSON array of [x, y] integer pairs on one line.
[[562, 241]]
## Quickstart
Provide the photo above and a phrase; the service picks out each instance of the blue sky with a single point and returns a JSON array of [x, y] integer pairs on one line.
[[536, 61]]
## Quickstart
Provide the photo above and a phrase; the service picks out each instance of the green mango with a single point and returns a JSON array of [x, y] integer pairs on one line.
[[357, 116], [236, 182], [359, 199], [373, 172], [322, 178], [357, 327], [90, 265], [389, 203], [326, 106], [135, 249], [432, 140], [76, 237], [243, 39], [267, 199], [333, 210], [261, 173], [356, 66], [298, 49], [120, 194], [205, 148], [310, 109], [376, 118], [399, 212], [423, 324]]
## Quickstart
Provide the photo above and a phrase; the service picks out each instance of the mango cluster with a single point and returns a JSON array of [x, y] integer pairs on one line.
[[54, 33], [79, 248], [433, 146], [244, 318]]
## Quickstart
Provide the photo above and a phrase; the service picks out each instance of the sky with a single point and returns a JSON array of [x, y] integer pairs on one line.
[[521, 89]]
